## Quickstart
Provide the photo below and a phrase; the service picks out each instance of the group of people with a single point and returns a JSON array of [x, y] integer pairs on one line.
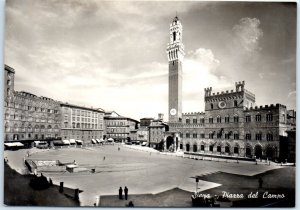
[[121, 193]]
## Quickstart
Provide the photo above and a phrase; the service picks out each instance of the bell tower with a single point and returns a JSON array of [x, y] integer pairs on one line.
[[175, 53]]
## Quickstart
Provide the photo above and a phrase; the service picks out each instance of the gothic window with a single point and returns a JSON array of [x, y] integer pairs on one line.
[[187, 121], [218, 119], [227, 119], [258, 136], [194, 135], [212, 106], [258, 117], [219, 135], [211, 148], [248, 136], [236, 118], [187, 135], [202, 135], [236, 136], [194, 121], [174, 36], [202, 120], [181, 135], [269, 137], [211, 135], [248, 118], [227, 135], [235, 103], [211, 120], [269, 117]]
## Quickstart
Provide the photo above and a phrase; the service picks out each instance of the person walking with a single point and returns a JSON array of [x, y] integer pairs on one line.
[[120, 193], [126, 192]]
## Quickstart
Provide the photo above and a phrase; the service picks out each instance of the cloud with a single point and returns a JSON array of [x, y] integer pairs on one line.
[[247, 34], [198, 73]]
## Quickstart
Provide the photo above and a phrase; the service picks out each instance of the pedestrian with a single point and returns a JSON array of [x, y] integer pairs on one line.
[[260, 181], [130, 204], [126, 192], [118, 148], [120, 193], [104, 158]]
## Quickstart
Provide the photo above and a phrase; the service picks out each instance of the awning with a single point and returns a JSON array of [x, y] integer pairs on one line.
[[14, 144], [72, 166], [94, 141], [98, 141], [72, 141], [110, 139], [36, 142], [79, 141], [66, 141]]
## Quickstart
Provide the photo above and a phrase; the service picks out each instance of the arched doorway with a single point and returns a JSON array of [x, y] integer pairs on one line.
[[170, 141], [258, 151], [194, 148], [236, 150], [202, 147], [187, 147], [181, 146], [219, 148], [248, 151], [227, 149]]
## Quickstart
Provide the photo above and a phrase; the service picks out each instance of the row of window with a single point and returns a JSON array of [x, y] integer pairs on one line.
[[34, 108], [84, 113], [116, 123], [269, 118], [82, 119], [258, 136], [83, 125], [77, 132]]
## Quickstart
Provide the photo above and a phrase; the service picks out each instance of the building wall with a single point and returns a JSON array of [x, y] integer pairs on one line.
[[119, 128], [231, 136], [28, 117], [81, 123]]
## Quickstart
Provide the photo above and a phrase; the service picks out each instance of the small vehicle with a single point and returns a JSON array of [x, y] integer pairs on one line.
[[144, 144]]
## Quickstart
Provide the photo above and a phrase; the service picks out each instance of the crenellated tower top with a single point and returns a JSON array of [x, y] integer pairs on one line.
[[175, 48]]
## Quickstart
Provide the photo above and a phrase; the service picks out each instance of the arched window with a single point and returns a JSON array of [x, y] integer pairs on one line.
[[212, 106], [258, 136], [218, 119], [258, 117], [235, 103], [236, 118], [227, 119], [269, 117], [211, 119], [187, 121], [248, 136], [269, 137], [248, 118], [236, 136], [174, 36]]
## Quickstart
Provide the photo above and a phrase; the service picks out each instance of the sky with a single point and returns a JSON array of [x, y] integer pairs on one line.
[[112, 55]]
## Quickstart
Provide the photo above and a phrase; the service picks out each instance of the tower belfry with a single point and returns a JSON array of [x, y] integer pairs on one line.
[[175, 53]]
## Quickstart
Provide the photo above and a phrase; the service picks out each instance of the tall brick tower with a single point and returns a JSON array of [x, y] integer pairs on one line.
[[175, 52]]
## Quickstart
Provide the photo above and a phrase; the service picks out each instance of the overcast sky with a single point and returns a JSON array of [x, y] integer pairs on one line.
[[113, 54]]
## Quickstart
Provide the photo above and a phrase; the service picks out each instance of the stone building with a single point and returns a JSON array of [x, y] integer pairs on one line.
[[232, 124], [118, 127], [157, 130], [81, 123], [28, 117]]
